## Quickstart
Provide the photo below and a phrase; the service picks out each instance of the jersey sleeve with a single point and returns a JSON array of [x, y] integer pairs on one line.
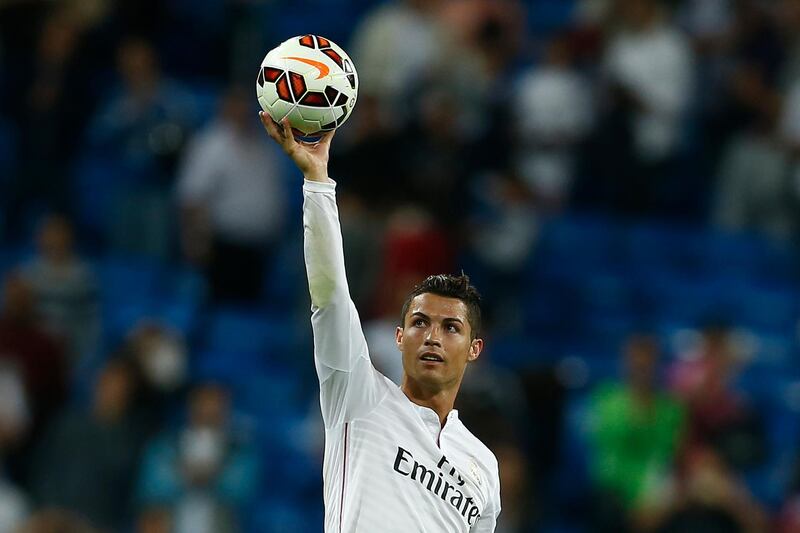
[[349, 385]]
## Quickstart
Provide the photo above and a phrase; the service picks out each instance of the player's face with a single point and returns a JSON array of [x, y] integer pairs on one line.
[[436, 341]]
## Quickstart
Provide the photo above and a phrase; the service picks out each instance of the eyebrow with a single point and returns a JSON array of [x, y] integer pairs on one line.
[[426, 317]]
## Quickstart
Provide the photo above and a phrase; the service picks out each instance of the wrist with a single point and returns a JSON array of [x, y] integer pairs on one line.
[[319, 177]]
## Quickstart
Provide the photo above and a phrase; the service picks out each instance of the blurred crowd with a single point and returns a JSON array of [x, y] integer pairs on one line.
[[155, 371]]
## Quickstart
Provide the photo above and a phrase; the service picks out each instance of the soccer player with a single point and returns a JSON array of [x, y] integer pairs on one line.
[[397, 460]]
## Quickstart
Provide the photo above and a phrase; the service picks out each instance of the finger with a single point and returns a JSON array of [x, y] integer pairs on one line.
[[271, 127], [326, 139], [289, 140]]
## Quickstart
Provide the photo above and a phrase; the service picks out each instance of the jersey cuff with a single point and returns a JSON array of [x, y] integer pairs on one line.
[[316, 186]]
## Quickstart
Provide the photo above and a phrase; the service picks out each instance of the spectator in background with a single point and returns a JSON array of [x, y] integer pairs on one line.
[[414, 246], [707, 21], [429, 71], [504, 231], [56, 521], [459, 125], [485, 38], [52, 100], [648, 79], [362, 232], [87, 460], [789, 132], [154, 520], [142, 129], [397, 47], [789, 518], [756, 188], [205, 472], [636, 431], [159, 355], [705, 497], [552, 114], [233, 200], [65, 288], [14, 507], [719, 418], [14, 424], [516, 496], [31, 352], [787, 13], [492, 401]]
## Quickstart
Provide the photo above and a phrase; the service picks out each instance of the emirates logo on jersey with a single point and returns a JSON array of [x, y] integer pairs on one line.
[[437, 480]]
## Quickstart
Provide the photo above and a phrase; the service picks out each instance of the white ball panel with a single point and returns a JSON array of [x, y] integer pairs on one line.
[[279, 109], [267, 94], [300, 123]]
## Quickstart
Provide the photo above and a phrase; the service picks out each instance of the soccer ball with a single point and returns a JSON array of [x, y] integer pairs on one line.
[[311, 80]]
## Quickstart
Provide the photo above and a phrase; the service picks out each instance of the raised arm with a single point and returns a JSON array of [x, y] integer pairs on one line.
[[340, 350]]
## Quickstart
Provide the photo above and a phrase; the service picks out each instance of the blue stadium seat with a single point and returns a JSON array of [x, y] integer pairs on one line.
[[182, 294], [274, 515], [606, 331], [605, 292], [522, 352], [272, 392], [775, 395], [777, 309], [686, 299], [128, 279], [572, 483], [660, 248], [329, 19], [237, 330], [776, 350], [10, 258], [95, 189], [602, 365], [749, 256], [299, 470], [284, 277], [576, 246], [185, 284], [232, 367], [120, 317], [128, 292], [178, 315], [547, 16]]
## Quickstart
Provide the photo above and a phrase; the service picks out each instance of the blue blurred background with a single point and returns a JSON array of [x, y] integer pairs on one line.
[[620, 178]]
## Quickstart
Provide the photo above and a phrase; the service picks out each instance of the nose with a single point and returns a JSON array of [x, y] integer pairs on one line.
[[432, 337]]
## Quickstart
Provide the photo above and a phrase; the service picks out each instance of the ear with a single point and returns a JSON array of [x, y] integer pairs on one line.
[[475, 350], [398, 338]]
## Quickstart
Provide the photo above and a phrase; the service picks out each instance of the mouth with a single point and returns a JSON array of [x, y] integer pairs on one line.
[[431, 357]]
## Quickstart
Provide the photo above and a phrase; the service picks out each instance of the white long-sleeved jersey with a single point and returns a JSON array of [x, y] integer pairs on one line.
[[389, 465]]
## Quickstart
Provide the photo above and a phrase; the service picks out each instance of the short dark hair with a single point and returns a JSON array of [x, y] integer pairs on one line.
[[449, 286]]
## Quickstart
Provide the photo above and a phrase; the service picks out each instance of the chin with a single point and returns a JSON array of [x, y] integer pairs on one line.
[[431, 377]]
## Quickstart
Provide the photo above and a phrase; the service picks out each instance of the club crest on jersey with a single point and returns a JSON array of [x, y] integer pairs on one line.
[[475, 471]]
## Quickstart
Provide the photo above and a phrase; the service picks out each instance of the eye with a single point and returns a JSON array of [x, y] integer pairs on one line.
[[418, 323], [452, 328]]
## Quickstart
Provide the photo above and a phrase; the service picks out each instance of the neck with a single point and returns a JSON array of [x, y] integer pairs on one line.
[[441, 400]]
